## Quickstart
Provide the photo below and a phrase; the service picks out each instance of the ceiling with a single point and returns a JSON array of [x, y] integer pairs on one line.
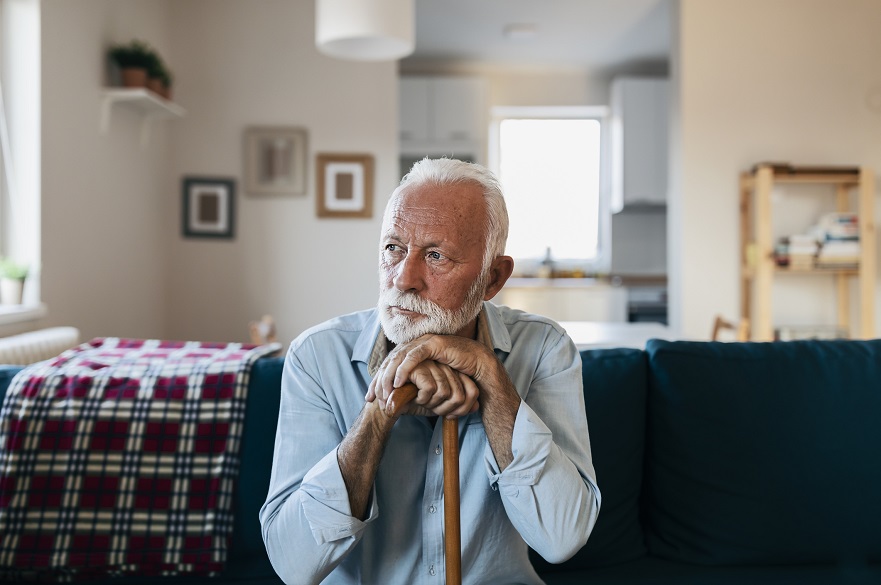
[[591, 34]]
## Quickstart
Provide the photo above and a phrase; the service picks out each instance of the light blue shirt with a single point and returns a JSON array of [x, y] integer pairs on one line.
[[546, 498]]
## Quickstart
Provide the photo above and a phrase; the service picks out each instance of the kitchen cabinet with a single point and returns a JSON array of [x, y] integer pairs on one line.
[[566, 299], [639, 136], [442, 115]]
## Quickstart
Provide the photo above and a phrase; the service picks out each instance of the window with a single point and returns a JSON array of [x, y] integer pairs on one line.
[[551, 164], [20, 141]]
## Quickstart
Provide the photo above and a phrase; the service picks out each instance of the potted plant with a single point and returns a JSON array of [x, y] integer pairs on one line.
[[12, 277], [155, 69], [133, 61], [167, 79]]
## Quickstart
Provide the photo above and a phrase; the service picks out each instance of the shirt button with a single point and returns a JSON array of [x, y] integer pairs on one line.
[[437, 450], [432, 509], [431, 570]]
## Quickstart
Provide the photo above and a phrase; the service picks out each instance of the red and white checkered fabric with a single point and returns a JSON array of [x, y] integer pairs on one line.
[[120, 457]]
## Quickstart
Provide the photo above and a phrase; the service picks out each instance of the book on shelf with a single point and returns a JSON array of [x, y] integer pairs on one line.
[[839, 254], [797, 252], [795, 332], [840, 225]]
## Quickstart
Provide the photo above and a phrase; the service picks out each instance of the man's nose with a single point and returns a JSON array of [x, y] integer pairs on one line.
[[410, 273]]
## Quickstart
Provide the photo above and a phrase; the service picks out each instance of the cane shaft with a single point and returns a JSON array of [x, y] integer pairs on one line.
[[398, 399], [452, 530]]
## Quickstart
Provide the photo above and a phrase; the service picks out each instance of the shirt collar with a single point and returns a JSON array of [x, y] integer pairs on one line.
[[372, 345]]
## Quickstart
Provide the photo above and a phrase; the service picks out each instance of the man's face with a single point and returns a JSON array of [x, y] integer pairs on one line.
[[431, 261]]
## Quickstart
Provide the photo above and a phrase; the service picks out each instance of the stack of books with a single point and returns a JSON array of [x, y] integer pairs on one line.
[[841, 241], [802, 251]]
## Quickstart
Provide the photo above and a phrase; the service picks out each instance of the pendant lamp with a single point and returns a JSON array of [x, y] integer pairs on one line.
[[365, 30]]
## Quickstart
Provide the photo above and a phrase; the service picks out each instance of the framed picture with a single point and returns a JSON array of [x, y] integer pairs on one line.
[[275, 161], [345, 185], [208, 207]]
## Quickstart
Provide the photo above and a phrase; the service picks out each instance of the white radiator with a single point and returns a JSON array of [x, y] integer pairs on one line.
[[35, 346]]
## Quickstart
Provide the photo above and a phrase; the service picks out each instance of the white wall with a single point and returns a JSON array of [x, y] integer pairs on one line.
[[254, 63], [114, 262], [103, 260], [790, 80]]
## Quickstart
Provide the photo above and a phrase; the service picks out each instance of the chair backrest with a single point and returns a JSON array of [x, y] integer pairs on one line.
[[741, 329]]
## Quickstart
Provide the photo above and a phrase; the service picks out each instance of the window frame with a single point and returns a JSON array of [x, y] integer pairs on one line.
[[20, 68], [602, 262]]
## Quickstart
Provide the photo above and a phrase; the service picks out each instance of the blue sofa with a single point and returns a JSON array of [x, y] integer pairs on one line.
[[719, 463]]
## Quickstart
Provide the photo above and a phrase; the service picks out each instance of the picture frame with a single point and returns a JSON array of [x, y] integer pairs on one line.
[[344, 185], [275, 160], [208, 207]]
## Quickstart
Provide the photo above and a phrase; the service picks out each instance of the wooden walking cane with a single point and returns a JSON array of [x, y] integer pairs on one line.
[[397, 400]]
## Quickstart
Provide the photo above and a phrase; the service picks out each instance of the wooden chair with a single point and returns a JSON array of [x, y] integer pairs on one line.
[[741, 330]]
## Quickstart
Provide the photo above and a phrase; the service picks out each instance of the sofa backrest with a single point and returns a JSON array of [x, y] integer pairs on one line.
[[764, 453], [615, 385], [7, 373], [258, 443]]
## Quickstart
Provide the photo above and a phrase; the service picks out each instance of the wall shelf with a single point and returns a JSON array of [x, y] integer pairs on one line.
[[150, 105]]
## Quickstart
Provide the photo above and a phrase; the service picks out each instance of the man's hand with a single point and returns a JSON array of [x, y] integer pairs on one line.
[[475, 363], [441, 391], [463, 355]]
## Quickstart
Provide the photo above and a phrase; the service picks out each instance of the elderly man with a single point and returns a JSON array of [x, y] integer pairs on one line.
[[356, 495]]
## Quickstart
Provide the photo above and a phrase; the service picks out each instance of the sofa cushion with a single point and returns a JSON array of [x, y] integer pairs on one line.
[[764, 453], [615, 396], [654, 571]]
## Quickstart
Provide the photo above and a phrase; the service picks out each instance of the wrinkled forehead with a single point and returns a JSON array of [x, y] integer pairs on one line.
[[458, 204]]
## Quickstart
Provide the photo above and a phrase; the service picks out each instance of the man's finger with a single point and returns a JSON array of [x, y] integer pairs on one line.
[[371, 393], [471, 394], [412, 358]]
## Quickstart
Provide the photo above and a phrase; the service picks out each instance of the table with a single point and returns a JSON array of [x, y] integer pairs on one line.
[[596, 334]]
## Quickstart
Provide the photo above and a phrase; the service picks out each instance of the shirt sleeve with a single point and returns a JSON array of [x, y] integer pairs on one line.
[[549, 490], [306, 521]]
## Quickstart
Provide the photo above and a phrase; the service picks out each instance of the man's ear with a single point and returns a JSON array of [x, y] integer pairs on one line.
[[499, 272]]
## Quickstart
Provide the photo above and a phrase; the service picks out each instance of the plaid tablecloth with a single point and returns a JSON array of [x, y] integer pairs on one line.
[[120, 456]]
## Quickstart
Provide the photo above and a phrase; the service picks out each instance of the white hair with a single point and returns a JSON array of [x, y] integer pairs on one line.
[[450, 171]]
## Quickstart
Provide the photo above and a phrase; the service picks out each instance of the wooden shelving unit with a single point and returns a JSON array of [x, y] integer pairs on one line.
[[758, 266]]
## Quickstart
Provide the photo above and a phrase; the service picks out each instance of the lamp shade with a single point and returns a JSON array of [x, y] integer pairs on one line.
[[365, 30]]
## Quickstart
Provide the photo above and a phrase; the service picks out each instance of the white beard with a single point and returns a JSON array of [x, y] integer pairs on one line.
[[400, 328]]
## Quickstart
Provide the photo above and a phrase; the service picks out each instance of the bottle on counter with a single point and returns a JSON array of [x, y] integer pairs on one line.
[[546, 269]]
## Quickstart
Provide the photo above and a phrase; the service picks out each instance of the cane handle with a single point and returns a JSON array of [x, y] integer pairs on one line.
[[399, 398]]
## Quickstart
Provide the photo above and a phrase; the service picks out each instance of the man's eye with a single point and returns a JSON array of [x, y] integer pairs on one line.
[[391, 247], [435, 255]]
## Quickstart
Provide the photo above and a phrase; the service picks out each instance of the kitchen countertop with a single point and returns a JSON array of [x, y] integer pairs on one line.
[[610, 280], [533, 282]]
